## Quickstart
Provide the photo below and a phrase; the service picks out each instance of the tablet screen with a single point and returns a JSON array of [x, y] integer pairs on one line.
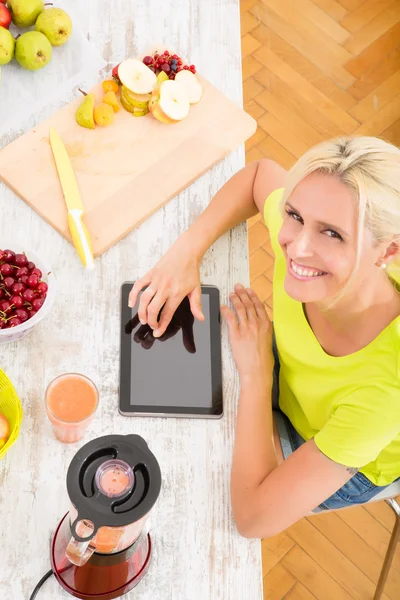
[[179, 373]]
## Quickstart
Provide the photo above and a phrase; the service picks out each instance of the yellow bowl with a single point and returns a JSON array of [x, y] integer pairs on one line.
[[10, 407]]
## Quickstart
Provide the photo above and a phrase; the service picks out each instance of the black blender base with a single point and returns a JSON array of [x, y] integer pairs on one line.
[[95, 581]]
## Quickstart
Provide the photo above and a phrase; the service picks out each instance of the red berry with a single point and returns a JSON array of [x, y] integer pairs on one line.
[[31, 314], [166, 53], [30, 266], [15, 321], [2, 293], [42, 287], [148, 60], [172, 75], [28, 295], [178, 69], [21, 272], [18, 288], [24, 279], [20, 260], [186, 68], [6, 269], [175, 56], [37, 272], [180, 62], [22, 314], [16, 301], [37, 304], [166, 68], [8, 256], [4, 305], [33, 280], [156, 56], [9, 282]]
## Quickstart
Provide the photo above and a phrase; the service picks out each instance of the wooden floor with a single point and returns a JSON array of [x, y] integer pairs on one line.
[[315, 69]]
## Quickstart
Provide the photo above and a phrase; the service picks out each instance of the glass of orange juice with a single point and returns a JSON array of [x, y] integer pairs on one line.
[[71, 401]]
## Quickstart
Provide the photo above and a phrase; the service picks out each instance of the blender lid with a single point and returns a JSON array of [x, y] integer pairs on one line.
[[113, 480]]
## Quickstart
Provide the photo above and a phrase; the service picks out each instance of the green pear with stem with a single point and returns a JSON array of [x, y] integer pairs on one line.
[[25, 12], [84, 114]]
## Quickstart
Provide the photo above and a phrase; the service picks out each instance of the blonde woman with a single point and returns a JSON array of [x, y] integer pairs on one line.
[[334, 221]]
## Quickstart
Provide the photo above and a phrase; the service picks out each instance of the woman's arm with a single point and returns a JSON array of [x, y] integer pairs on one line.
[[267, 498], [176, 275]]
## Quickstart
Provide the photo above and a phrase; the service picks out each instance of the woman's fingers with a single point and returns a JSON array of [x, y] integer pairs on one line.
[[137, 287], [247, 303], [229, 317], [258, 305], [154, 308], [239, 308], [145, 299], [195, 303], [166, 315]]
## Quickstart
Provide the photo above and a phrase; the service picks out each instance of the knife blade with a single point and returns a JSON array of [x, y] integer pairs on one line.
[[73, 200]]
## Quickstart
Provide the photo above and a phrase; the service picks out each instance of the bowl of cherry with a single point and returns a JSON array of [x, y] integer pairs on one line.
[[27, 291]]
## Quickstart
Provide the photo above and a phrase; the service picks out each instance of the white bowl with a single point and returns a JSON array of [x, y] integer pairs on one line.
[[15, 333]]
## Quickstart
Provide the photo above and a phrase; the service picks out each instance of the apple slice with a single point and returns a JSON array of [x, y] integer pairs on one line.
[[169, 102], [137, 100], [191, 84], [136, 76]]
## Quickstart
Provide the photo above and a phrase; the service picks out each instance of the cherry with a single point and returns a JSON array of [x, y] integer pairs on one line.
[[17, 288], [156, 56], [4, 305], [180, 62], [42, 287], [22, 314], [31, 314], [8, 256], [21, 272], [9, 282], [30, 266], [33, 280], [37, 304], [2, 294], [166, 53], [20, 260], [24, 279], [166, 68], [175, 56], [15, 321], [186, 68], [152, 69], [148, 60], [172, 75], [28, 295], [37, 272], [17, 301], [6, 269]]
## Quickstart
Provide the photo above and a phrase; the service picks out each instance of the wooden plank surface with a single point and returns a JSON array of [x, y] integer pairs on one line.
[[198, 553], [126, 171]]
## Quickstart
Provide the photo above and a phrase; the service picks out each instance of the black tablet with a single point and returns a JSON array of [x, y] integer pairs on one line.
[[177, 375]]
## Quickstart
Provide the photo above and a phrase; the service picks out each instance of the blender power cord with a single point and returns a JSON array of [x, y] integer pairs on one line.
[[40, 583]]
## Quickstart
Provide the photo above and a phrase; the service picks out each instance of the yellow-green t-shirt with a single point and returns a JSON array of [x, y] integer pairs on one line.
[[350, 404]]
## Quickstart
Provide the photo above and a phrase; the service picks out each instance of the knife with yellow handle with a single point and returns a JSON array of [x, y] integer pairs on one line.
[[79, 233]]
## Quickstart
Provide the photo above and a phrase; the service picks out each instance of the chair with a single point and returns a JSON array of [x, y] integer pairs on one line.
[[387, 495]]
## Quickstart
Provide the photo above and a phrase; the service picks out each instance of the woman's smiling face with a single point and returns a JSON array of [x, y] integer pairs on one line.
[[319, 240]]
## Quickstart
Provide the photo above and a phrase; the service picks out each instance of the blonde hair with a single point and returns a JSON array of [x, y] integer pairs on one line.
[[370, 168]]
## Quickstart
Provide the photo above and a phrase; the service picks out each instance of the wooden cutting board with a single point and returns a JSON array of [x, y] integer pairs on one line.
[[125, 171]]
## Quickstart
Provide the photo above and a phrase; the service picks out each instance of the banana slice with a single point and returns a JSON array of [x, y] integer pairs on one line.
[[136, 76], [191, 85]]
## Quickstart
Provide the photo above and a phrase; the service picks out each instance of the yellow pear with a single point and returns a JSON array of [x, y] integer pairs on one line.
[[84, 114]]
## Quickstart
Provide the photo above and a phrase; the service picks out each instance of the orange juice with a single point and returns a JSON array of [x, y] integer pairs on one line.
[[71, 401]]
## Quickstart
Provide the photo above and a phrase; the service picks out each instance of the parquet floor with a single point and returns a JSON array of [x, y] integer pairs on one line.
[[315, 69]]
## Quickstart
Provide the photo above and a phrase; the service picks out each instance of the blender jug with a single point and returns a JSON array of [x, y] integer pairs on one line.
[[100, 549]]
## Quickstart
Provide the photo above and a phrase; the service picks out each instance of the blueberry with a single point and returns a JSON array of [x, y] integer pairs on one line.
[[173, 67]]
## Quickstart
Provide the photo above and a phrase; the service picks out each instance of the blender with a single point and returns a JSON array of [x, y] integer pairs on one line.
[[101, 549]]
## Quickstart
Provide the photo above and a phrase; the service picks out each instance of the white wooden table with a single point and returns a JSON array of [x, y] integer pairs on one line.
[[197, 551]]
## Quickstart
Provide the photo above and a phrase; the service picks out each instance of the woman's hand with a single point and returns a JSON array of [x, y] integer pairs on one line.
[[250, 334], [176, 275]]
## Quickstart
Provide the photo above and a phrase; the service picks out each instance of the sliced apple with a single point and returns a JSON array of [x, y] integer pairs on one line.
[[136, 76], [137, 100], [191, 84], [169, 102], [136, 111]]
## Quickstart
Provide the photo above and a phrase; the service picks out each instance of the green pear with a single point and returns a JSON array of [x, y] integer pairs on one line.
[[84, 114], [55, 24], [33, 50], [25, 12], [7, 46]]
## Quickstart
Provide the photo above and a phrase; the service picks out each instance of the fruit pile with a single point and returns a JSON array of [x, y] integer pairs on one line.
[[33, 49], [169, 63], [22, 290]]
